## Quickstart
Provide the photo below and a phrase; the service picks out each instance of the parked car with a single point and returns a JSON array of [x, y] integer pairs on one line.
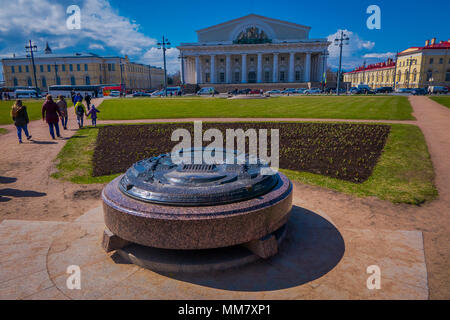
[[273, 91], [383, 90], [288, 91], [141, 94], [255, 91], [419, 91], [313, 91], [300, 90], [114, 93], [364, 91], [437, 89], [403, 90], [207, 91]]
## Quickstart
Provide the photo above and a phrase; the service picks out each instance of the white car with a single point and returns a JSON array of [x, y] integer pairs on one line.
[[114, 93]]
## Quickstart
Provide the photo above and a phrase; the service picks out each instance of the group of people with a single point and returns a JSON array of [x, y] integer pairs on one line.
[[51, 113]]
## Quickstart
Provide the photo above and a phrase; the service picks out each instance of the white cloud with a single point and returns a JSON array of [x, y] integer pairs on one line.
[[154, 56], [380, 55], [97, 46]]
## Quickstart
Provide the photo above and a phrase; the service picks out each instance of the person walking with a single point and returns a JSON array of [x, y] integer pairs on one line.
[[93, 112], [20, 117], [77, 98], [80, 112], [87, 98], [51, 114], [62, 106]]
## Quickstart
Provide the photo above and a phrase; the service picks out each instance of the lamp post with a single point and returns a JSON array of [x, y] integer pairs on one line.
[[341, 41], [31, 48], [164, 45], [325, 54]]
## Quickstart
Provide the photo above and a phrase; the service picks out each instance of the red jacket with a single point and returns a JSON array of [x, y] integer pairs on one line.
[[50, 112]]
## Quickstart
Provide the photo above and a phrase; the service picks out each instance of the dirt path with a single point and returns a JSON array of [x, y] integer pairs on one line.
[[35, 196], [26, 189]]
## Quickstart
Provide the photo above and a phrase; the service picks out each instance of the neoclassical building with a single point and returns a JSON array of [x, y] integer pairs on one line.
[[253, 49]]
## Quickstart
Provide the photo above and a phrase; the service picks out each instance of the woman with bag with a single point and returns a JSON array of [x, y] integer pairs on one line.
[[20, 117], [51, 114]]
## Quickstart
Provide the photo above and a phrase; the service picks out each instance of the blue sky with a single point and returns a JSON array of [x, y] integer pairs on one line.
[[133, 27]]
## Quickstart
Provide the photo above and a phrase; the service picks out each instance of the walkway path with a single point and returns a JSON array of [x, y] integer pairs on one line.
[[51, 199]]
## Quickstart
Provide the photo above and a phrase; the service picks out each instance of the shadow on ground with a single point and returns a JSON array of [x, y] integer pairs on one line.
[[7, 179], [312, 247], [5, 194]]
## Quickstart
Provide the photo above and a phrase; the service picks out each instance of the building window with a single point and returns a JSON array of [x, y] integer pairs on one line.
[[251, 59], [15, 82], [207, 77], [109, 66], [297, 75], [44, 82], [431, 60], [13, 70], [236, 76], [88, 80], [56, 68], [429, 75], [222, 76], [70, 67], [414, 75], [72, 80], [207, 60], [41, 68], [49, 68], [282, 58], [221, 60], [29, 82], [281, 76], [267, 59], [63, 67], [113, 67], [236, 60], [266, 76], [26, 69], [20, 68], [399, 76], [78, 67], [85, 67], [447, 75], [58, 80], [441, 60]]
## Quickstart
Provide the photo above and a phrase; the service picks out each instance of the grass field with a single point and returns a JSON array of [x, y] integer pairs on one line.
[[3, 131], [403, 174], [34, 108], [343, 107], [444, 100]]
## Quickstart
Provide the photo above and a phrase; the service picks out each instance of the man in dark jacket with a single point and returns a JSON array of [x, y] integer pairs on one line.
[[20, 117], [87, 98], [51, 114]]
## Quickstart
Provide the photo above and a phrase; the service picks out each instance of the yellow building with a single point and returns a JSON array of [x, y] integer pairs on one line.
[[374, 75], [420, 67], [80, 69]]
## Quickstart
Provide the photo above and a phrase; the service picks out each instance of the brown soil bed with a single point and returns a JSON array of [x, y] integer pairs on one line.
[[339, 150]]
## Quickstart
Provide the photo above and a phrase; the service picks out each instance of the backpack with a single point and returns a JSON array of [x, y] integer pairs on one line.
[[80, 110]]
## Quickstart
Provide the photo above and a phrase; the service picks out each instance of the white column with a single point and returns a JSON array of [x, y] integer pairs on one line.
[[228, 68], [259, 68], [275, 67], [213, 68], [244, 68], [198, 72], [306, 77], [291, 66]]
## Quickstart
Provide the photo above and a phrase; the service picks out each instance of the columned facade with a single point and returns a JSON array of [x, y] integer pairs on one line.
[[254, 49]]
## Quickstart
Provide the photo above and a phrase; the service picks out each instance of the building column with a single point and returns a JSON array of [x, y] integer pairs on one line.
[[275, 67], [259, 68], [212, 76], [228, 68], [244, 68], [320, 67], [198, 72], [291, 67], [307, 69]]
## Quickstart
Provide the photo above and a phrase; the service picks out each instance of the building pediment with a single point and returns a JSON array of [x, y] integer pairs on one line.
[[253, 29]]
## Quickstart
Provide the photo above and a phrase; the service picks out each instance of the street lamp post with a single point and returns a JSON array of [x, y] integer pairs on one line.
[[31, 49], [164, 45], [325, 54], [341, 41]]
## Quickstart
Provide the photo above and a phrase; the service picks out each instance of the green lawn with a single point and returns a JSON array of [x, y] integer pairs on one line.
[[33, 108], [444, 100], [343, 107], [404, 173]]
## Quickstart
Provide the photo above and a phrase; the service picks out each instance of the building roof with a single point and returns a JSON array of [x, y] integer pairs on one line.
[[436, 46], [375, 66], [254, 16]]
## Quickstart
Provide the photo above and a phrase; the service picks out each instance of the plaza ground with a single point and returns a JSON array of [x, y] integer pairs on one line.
[[30, 194]]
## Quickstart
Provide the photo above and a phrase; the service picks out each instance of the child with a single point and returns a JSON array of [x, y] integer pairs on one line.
[[20, 117], [80, 111], [93, 112]]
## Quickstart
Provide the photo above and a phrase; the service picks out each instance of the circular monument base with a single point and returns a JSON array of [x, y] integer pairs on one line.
[[190, 261]]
